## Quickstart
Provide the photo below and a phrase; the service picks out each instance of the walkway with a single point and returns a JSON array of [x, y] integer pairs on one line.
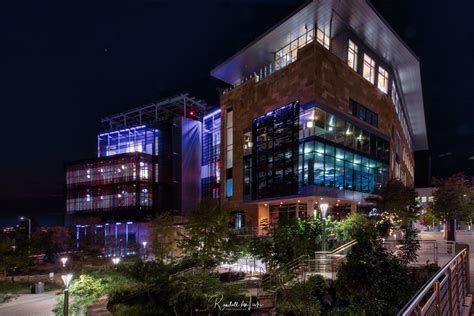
[[462, 238], [30, 305]]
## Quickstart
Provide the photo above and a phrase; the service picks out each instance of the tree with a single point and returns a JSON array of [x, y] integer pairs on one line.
[[162, 235], [206, 235], [11, 258], [285, 243], [372, 280], [452, 200], [397, 201], [397, 204], [428, 218], [52, 241]]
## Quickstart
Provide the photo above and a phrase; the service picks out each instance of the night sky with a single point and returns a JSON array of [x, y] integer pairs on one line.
[[64, 65]]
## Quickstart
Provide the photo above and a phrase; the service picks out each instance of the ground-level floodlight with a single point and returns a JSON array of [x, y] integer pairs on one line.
[[116, 261], [66, 280], [64, 260]]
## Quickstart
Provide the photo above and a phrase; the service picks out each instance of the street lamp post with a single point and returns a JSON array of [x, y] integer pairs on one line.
[[66, 280], [29, 231], [324, 209], [144, 249]]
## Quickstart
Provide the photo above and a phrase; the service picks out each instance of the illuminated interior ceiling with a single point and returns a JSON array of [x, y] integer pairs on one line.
[[356, 15], [180, 105]]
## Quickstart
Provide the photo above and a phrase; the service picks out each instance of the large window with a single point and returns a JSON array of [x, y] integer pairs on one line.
[[330, 152], [287, 213], [275, 162], [211, 150], [336, 167], [352, 55], [382, 81], [340, 155], [289, 52], [323, 36], [139, 139], [363, 113], [369, 69], [229, 151], [116, 182]]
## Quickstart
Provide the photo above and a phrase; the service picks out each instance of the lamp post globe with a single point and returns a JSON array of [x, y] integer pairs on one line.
[[64, 261]]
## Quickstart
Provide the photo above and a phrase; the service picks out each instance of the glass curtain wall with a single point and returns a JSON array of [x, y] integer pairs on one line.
[[211, 151], [275, 162], [335, 153], [140, 139], [116, 183], [312, 147]]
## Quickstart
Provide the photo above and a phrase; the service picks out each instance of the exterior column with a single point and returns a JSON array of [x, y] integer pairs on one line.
[[353, 207]]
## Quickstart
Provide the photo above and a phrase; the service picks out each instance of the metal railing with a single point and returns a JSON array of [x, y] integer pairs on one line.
[[191, 270], [431, 251], [327, 263], [445, 292]]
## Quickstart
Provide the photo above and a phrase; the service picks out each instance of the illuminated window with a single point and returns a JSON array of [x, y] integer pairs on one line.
[[228, 189], [369, 69], [229, 150], [352, 55], [322, 36], [248, 144], [229, 138], [383, 80], [143, 170], [288, 53]]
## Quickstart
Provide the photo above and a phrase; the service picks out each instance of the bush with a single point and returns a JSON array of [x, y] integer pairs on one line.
[[301, 298], [7, 297], [89, 287], [126, 310]]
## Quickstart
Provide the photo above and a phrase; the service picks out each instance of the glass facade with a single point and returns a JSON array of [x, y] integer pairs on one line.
[[211, 151], [139, 139], [339, 154], [287, 213], [275, 159], [295, 148], [119, 182]]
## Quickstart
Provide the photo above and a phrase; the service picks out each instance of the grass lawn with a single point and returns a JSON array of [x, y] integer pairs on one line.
[[24, 287]]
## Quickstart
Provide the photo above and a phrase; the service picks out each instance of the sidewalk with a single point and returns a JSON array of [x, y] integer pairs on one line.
[[30, 305]]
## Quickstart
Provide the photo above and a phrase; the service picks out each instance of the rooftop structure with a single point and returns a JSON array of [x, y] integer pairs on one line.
[[180, 105], [329, 18]]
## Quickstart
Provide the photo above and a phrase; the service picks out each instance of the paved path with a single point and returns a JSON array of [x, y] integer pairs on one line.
[[462, 238], [30, 305]]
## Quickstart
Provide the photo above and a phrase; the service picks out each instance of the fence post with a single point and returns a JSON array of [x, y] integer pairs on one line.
[[438, 299], [450, 290]]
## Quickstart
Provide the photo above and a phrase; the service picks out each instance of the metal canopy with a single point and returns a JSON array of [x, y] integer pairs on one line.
[[357, 15], [181, 105]]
